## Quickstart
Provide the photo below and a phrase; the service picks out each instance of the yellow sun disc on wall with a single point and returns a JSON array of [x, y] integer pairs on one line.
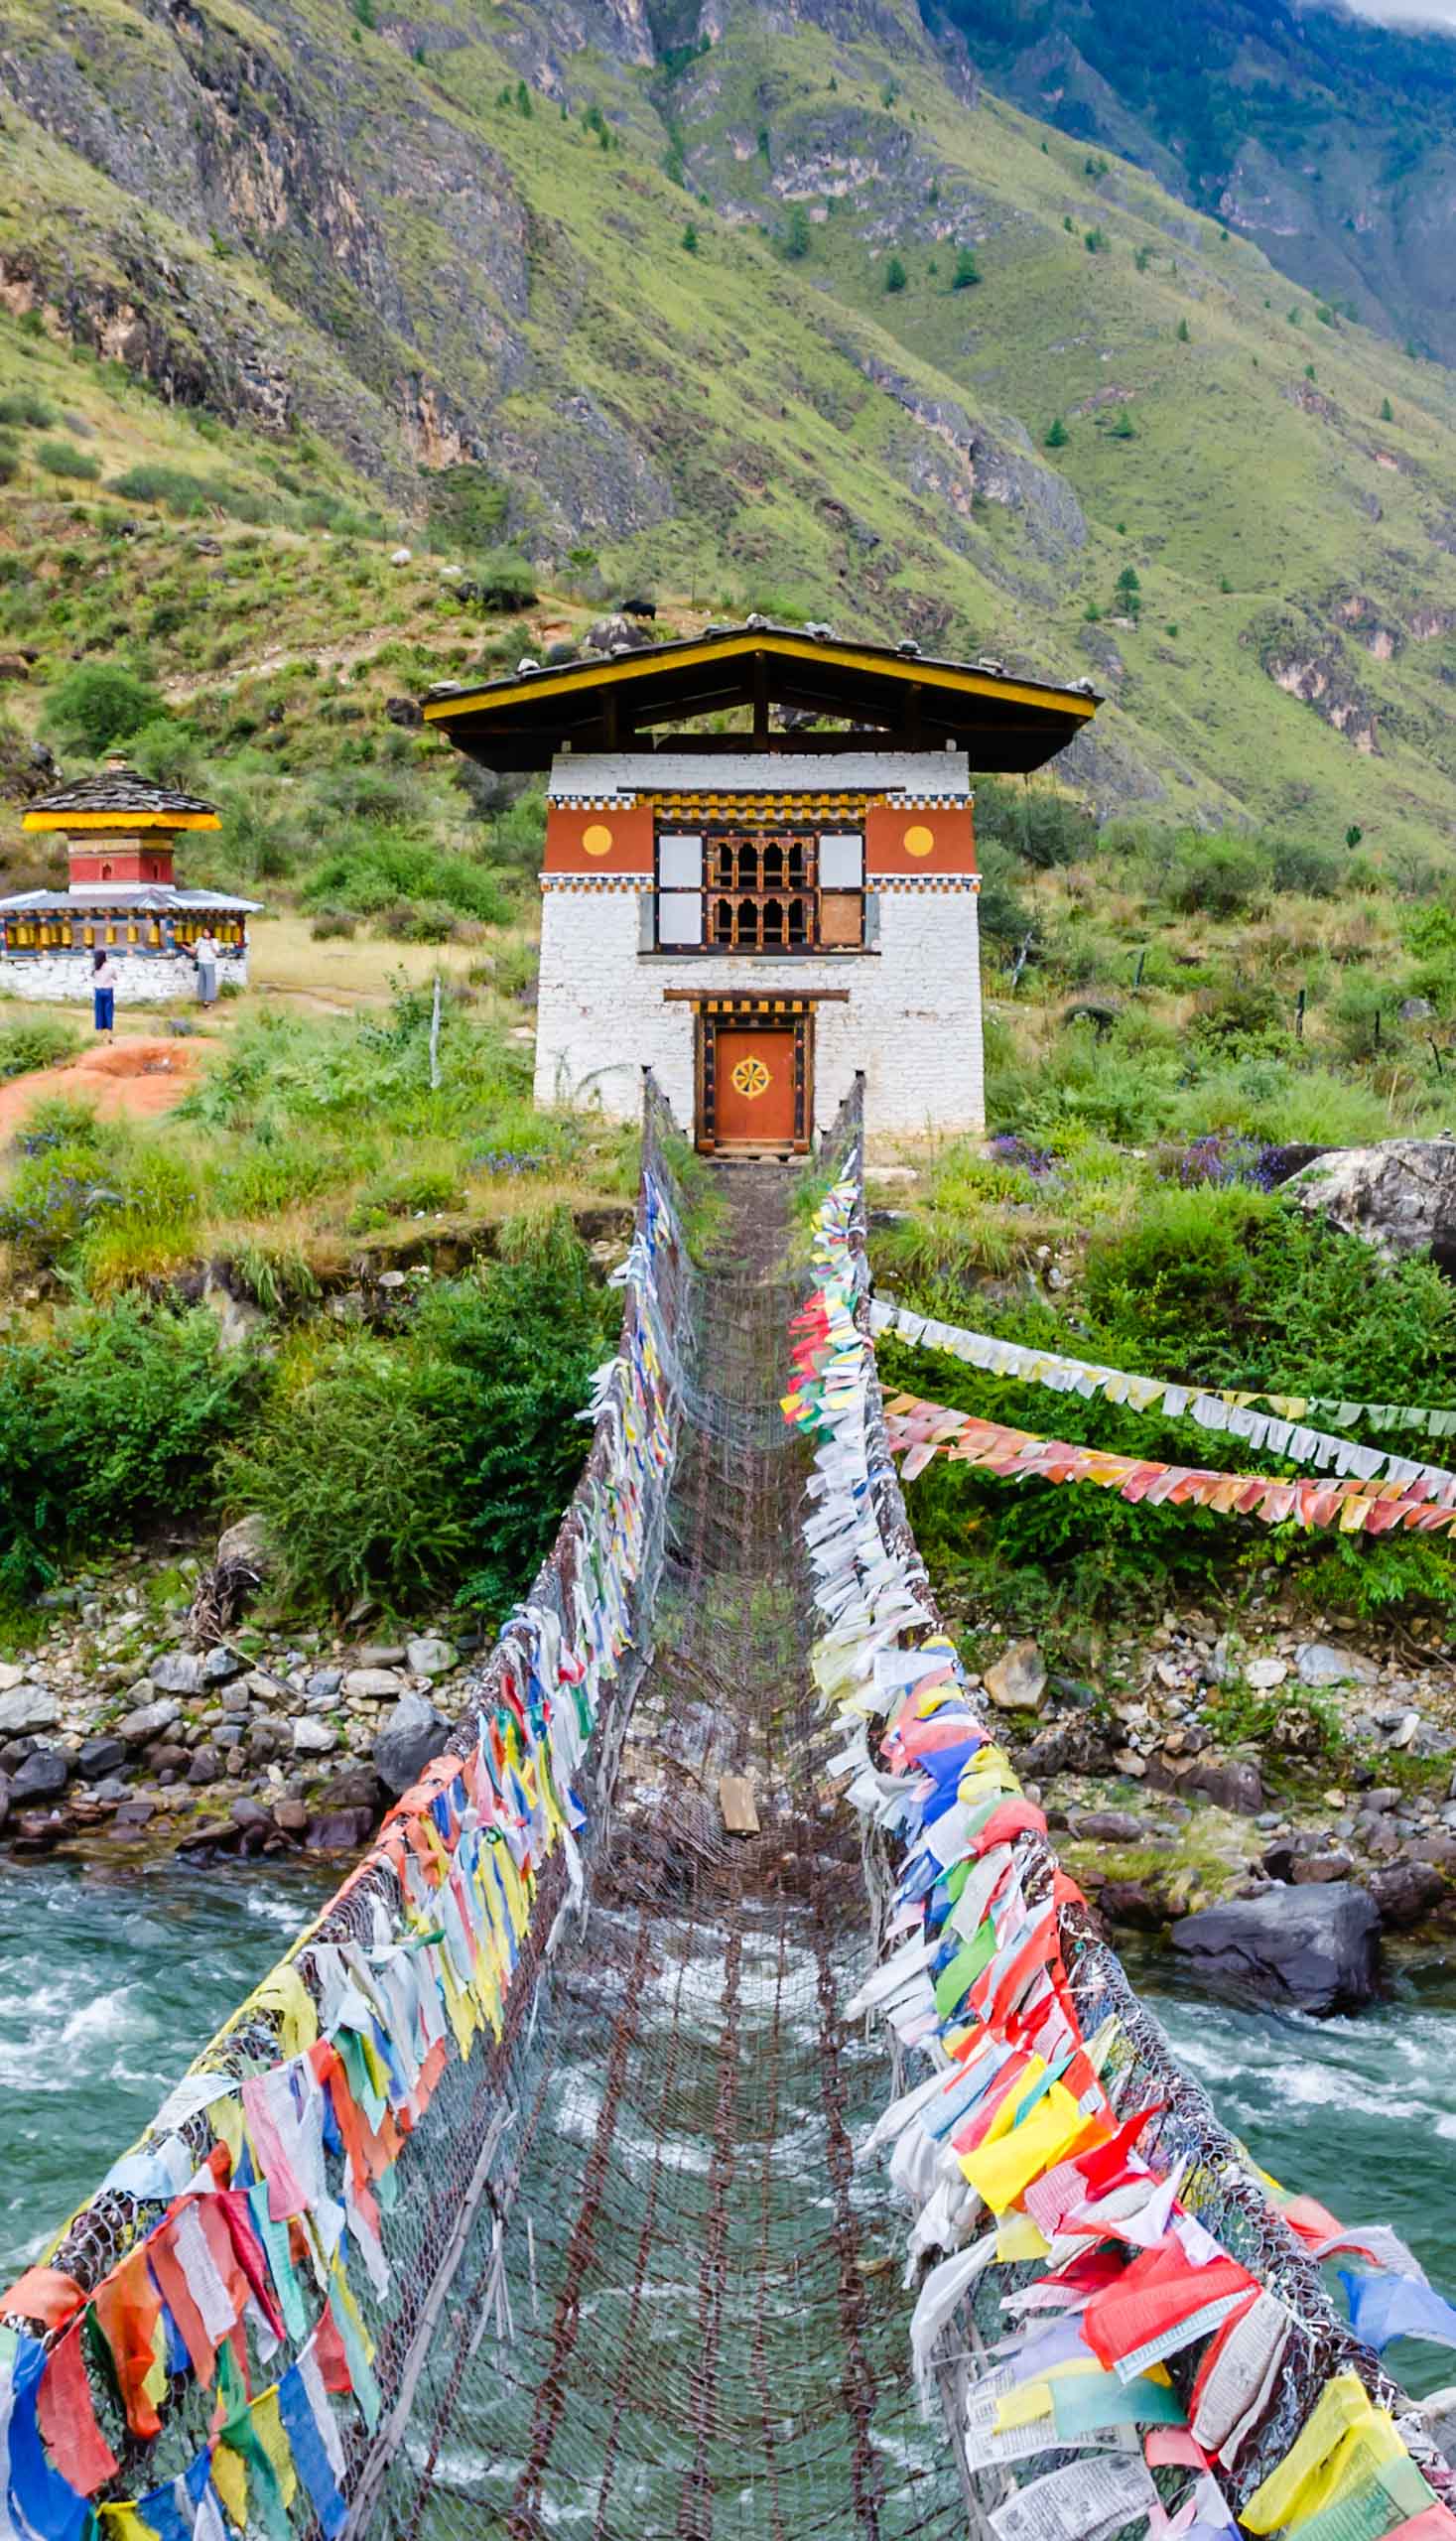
[[919, 839], [751, 1078], [596, 838]]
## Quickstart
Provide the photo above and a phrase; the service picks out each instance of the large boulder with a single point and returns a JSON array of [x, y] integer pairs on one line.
[[1400, 1196], [410, 1737], [27, 1709], [1310, 1949], [1018, 1680], [1403, 1894]]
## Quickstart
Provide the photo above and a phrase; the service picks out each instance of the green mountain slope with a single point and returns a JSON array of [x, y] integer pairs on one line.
[[1319, 134], [572, 275]]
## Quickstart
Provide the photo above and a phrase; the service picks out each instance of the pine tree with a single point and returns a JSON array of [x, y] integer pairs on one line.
[[1388, 411], [690, 239], [967, 271], [895, 276], [1183, 334], [1058, 436]]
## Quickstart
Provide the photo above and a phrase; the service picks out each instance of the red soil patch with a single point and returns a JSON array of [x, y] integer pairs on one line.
[[135, 1078]]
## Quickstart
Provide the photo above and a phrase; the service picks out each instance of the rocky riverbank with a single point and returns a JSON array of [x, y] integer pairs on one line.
[[1217, 1766], [120, 1723]]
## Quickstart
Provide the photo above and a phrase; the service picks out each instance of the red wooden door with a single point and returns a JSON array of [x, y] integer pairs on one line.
[[753, 1088]]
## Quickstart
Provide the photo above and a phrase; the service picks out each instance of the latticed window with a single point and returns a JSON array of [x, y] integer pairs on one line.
[[760, 892]]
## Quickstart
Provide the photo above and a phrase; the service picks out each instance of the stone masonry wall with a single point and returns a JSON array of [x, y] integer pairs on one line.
[[151, 980], [912, 1022]]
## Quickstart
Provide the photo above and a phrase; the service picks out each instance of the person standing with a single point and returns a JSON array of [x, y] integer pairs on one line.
[[205, 954], [103, 994]]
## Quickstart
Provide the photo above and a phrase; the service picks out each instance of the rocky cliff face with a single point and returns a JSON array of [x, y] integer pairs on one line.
[[774, 300]]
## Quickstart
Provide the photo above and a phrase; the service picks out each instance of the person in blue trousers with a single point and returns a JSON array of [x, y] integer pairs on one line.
[[103, 994]]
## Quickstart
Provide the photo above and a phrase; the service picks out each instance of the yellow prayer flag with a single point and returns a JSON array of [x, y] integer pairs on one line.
[[1281, 2498], [1005, 2163]]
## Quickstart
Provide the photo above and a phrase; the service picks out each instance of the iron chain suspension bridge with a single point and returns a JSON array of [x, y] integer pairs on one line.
[[553, 2185]]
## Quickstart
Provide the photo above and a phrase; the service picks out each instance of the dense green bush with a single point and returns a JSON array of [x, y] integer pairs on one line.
[[112, 1422], [100, 704], [1040, 824], [379, 868], [1217, 873], [27, 407], [442, 1459], [35, 1041], [63, 459]]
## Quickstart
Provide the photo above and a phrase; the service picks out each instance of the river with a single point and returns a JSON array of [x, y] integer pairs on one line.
[[109, 1984]]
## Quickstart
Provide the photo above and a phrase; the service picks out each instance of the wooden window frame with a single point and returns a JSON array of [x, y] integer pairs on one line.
[[738, 911]]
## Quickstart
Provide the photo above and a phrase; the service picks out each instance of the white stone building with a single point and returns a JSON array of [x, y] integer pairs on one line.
[[757, 915]]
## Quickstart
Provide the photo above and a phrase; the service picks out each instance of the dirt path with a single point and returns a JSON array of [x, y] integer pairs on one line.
[[133, 1079]]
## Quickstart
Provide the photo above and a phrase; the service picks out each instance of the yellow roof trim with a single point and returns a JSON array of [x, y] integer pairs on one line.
[[121, 820], [627, 667]]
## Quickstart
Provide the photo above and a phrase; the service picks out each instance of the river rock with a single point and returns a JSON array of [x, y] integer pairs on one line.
[[357, 1786], [313, 1737], [1230, 1781], [339, 1830], [26, 1709], [1265, 1673], [322, 1684], [139, 1728], [206, 1767], [247, 1544], [1403, 1894], [247, 1812], [43, 1774], [1320, 1663], [1316, 1870], [98, 1758], [413, 1733], [1110, 1826], [1133, 1902], [1313, 1949], [12, 1673], [134, 1812], [1018, 1680], [1399, 1195], [177, 1672], [219, 1666], [292, 1816], [430, 1656], [371, 1685]]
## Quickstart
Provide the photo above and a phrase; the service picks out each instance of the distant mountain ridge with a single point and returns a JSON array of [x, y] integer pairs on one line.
[[1327, 138], [777, 303]]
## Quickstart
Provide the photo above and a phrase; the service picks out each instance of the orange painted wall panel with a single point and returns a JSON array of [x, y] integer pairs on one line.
[[897, 841], [617, 840]]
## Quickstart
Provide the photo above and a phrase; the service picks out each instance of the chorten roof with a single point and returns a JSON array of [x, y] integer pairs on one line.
[[118, 797]]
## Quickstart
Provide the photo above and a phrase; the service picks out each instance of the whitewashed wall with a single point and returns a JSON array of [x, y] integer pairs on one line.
[[65, 978], [912, 1022]]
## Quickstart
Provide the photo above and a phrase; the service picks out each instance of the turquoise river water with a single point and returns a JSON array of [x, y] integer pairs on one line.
[[109, 1984]]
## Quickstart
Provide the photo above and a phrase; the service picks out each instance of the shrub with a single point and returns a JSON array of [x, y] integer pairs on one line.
[[114, 1420], [35, 1041], [63, 459], [27, 406], [967, 273], [895, 276], [9, 458], [1303, 864], [382, 868], [441, 1458], [1218, 873], [503, 580], [99, 703]]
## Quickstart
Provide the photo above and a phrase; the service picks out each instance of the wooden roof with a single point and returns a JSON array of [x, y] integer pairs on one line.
[[895, 696], [118, 798]]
